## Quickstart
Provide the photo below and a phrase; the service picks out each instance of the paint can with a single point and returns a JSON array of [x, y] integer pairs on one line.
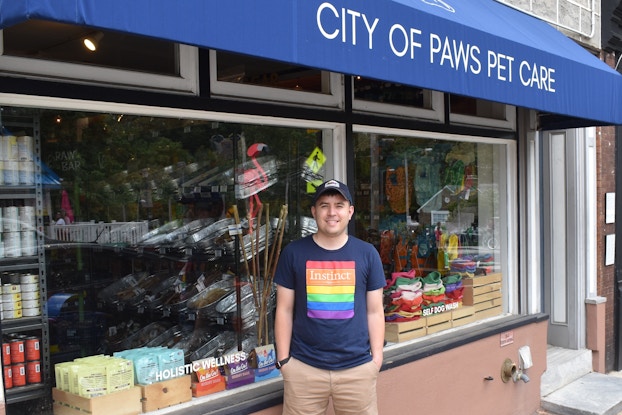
[[11, 172], [31, 295], [33, 372], [27, 217], [8, 377], [28, 243], [18, 370], [12, 244], [9, 148], [26, 173], [11, 219], [25, 148], [6, 353], [17, 351], [33, 348], [29, 278], [31, 312]]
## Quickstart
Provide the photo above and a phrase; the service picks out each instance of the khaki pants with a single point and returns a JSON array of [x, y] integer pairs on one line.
[[307, 389]]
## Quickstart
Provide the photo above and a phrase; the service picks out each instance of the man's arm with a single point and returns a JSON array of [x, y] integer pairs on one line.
[[375, 322], [284, 320]]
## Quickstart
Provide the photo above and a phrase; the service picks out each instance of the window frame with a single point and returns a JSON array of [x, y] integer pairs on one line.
[[186, 83], [508, 222], [263, 93]]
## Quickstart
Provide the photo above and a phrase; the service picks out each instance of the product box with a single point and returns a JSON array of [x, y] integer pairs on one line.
[[166, 393], [66, 403], [264, 360], [238, 372], [206, 378]]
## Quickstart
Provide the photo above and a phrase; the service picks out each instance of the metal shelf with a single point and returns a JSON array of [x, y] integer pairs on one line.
[[25, 393], [20, 263], [33, 263], [22, 324]]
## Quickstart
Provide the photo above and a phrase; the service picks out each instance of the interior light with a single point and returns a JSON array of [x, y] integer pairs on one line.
[[91, 42]]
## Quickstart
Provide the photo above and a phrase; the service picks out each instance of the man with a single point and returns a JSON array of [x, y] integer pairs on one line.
[[329, 325]]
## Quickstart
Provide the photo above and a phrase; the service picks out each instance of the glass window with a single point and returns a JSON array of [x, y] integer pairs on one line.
[[153, 224], [470, 110], [53, 49], [238, 75], [434, 208], [396, 99], [391, 93]]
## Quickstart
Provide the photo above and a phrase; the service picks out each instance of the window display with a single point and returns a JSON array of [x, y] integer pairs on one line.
[[172, 229], [164, 259], [432, 209]]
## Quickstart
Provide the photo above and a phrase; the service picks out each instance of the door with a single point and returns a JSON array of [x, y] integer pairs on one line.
[[567, 233]]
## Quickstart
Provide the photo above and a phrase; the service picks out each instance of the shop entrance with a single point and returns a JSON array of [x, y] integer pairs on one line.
[[565, 232]]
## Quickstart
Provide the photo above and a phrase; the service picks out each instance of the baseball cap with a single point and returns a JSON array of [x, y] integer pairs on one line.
[[332, 185]]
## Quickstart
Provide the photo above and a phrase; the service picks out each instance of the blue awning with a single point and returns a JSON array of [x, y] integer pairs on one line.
[[476, 48]]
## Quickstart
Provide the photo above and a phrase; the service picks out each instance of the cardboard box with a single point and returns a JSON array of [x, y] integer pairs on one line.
[[206, 378], [166, 393], [206, 387], [66, 403], [263, 361], [239, 372]]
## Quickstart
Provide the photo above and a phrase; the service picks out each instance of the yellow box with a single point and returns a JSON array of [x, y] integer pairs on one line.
[[166, 393], [126, 402]]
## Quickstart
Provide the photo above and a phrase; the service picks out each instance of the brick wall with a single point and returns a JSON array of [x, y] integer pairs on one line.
[[606, 183]]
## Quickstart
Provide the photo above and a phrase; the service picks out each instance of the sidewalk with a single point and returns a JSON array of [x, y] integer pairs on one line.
[[571, 388]]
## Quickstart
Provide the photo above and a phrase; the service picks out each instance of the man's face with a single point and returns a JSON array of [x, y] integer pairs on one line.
[[332, 212]]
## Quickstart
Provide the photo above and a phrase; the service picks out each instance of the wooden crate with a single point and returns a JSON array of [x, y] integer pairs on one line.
[[438, 322], [166, 393], [482, 289], [462, 315], [126, 402], [407, 330]]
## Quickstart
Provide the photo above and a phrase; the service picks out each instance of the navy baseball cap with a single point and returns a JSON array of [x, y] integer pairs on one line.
[[333, 185]]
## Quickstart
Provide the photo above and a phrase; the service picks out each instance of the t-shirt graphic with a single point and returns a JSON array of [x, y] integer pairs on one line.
[[330, 289]]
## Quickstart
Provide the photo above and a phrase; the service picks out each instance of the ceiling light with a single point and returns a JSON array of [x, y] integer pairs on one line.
[[91, 42]]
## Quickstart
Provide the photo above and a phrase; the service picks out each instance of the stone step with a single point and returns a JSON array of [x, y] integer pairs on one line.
[[564, 366], [591, 394]]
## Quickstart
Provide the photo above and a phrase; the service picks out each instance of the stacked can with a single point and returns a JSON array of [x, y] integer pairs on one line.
[[11, 301], [17, 160], [18, 231], [21, 358], [31, 301], [20, 296]]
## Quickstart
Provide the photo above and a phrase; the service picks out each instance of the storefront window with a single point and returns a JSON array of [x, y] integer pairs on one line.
[[37, 39], [469, 110], [434, 210], [55, 50], [391, 93], [162, 232], [237, 75]]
